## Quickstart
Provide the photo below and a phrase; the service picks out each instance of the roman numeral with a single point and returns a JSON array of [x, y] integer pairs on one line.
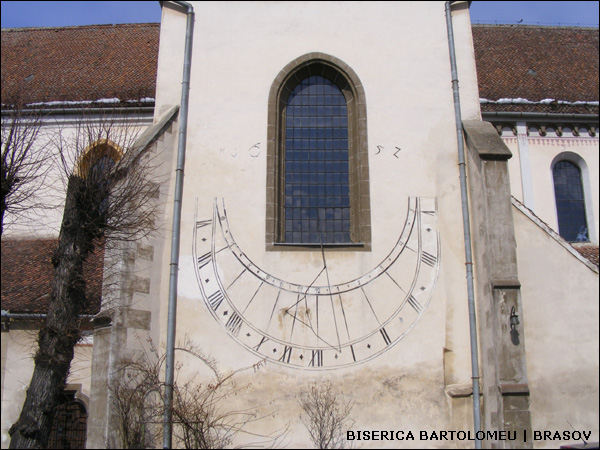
[[353, 355], [385, 336], [415, 304], [317, 358], [203, 223], [287, 353], [215, 300], [262, 341], [428, 259], [204, 260], [234, 324]]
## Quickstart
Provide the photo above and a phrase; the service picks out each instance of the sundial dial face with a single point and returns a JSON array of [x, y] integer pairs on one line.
[[321, 325]]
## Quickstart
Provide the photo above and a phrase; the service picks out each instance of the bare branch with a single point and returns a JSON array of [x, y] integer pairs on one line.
[[327, 416], [202, 412], [25, 162]]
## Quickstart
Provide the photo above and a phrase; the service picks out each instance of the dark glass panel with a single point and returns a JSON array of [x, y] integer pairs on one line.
[[570, 206], [317, 164]]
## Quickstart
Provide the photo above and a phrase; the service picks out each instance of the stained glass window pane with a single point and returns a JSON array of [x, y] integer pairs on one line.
[[317, 177], [570, 207]]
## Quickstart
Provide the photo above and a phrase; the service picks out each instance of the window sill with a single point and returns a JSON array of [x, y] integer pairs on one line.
[[283, 246]]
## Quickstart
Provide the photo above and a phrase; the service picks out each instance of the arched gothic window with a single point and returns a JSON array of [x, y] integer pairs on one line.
[[570, 205], [318, 182]]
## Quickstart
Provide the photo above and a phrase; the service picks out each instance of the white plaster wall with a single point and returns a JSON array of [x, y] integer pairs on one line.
[[43, 209], [18, 348], [400, 53], [561, 321]]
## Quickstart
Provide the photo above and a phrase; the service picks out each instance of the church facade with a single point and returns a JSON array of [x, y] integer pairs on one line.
[[326, 201]]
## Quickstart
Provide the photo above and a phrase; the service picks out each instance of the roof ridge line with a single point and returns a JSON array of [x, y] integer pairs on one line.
[[69, 27], [553, 234]]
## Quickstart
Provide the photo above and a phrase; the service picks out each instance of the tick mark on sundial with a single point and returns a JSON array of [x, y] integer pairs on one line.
[[248, 334], [274, 350], [225, 313], [207, 280], [368, 345], [203, 239], [301, 357], [423, 288]]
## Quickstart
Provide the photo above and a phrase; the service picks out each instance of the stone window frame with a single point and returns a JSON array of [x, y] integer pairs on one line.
[[346, 79]]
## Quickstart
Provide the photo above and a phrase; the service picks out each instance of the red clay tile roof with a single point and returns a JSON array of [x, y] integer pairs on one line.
[[27, 276], [588, 251], [537, 63], [119, 61], [80, 63]]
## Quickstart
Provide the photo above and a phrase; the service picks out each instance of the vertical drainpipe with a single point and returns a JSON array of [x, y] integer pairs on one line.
[[466, 229], [175, 236]]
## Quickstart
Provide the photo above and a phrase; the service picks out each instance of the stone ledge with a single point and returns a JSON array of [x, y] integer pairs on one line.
[[459, 390], [482, 137], [514, 389]]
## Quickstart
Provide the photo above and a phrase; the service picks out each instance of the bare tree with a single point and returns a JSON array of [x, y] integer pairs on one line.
[[203, 413], [109, 198], [25, 161], [328, 416]]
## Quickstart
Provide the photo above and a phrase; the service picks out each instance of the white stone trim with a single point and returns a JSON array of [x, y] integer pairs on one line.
[[526, 178]]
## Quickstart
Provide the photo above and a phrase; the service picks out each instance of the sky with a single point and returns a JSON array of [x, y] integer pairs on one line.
[[17, 14]]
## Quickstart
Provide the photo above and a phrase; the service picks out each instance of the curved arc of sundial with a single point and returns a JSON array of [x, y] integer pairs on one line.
[[212, 296], [339, 288]]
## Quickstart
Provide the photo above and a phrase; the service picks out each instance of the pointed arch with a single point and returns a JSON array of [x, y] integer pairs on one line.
[[102, 148], [318, 66]]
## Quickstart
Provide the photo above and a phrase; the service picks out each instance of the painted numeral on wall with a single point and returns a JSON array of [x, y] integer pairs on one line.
[[385, 336], [415, 304], [287, 353], [215, 300], [428, 259], [317, 358], [234, 324], [262, 341], [204, 260], [203, 223]]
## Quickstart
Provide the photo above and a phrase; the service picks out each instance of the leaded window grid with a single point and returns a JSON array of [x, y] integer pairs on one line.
[[317, 180], [570, 201], [347, 81]]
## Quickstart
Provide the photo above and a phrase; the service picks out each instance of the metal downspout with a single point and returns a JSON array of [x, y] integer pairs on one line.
[[467, 230], [175, 236]]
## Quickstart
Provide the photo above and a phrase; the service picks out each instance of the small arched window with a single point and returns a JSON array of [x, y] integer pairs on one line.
[[317, 177], [70, 423], [570, 204], [95, 168]]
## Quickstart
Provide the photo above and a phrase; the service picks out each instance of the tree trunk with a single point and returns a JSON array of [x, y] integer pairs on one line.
[[60, 331]]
